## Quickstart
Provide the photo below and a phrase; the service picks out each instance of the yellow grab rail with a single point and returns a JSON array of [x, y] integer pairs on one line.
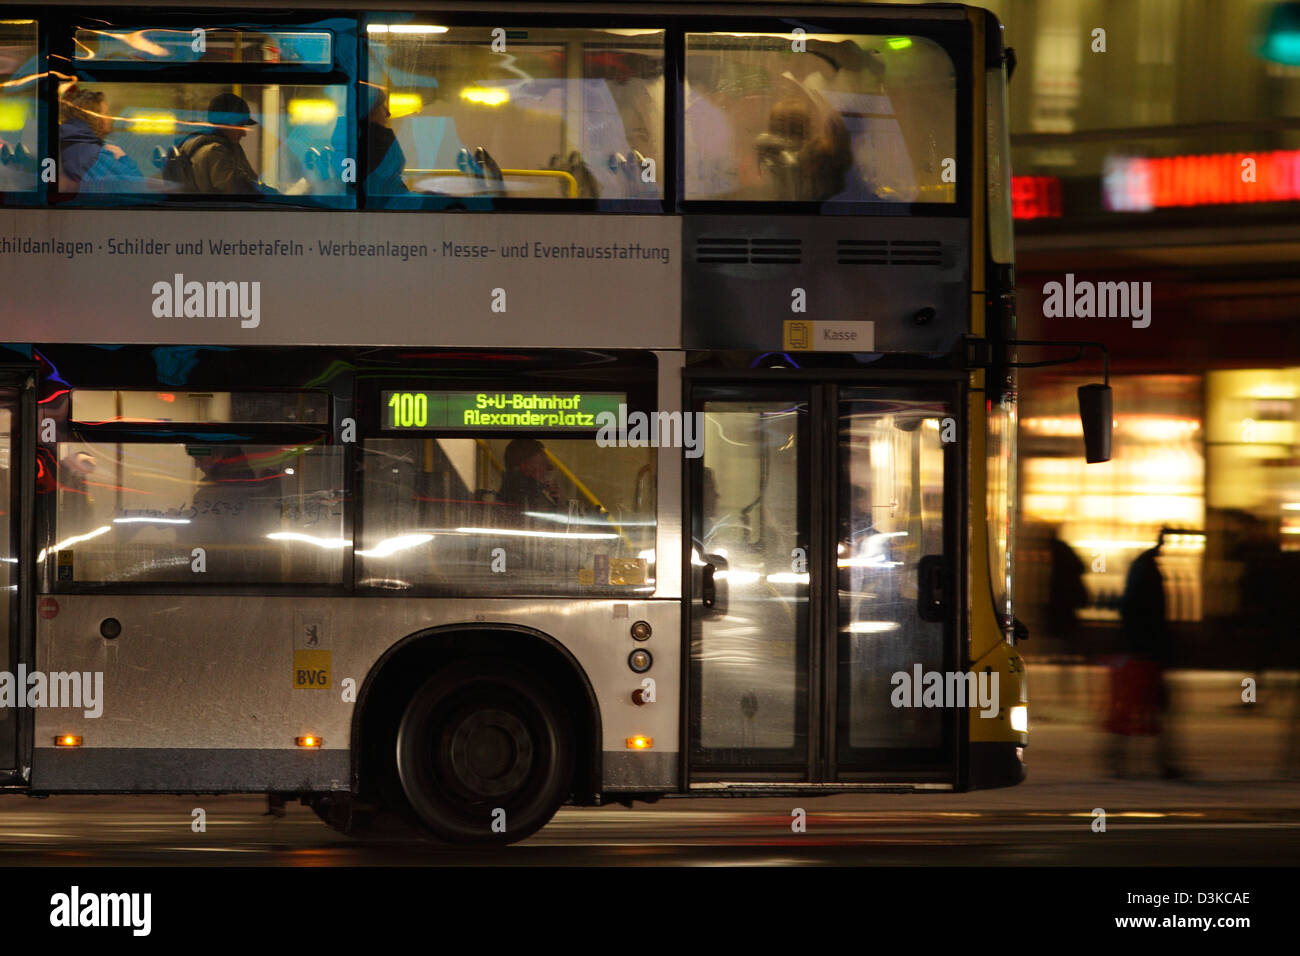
[[571, 184]]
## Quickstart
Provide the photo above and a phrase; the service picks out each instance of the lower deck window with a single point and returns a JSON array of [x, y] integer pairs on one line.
[[521, 515], [197, 513]]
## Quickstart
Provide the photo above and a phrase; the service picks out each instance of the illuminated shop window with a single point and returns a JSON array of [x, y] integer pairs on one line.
[[1253, 490], [1110, 513]]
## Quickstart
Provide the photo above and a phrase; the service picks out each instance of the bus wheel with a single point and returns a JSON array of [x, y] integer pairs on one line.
[[484, 753]]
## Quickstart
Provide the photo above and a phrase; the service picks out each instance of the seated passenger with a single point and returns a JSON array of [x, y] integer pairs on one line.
[[524, 484], [385, 161], [213, 161], [88, 163], [806, 150], [575, 166]]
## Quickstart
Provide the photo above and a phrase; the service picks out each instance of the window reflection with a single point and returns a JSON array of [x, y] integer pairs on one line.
[[18, 108], [263, 514], [560, 114], [212, 45], [891, 515], [751, 660], [521, 515], [95, 406], [848, 118]]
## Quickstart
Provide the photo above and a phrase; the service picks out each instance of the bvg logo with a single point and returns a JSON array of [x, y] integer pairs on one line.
[[311, 670]]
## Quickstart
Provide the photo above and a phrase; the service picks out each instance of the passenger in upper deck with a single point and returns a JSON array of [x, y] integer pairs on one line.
[[385, 160], [213, 161], [86, 162], [805, 151]]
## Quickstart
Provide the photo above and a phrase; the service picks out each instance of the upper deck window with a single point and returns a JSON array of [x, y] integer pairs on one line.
[[154, 111], [240, 140], [467, 111], [18, 112], [173, 45], [819, 118]]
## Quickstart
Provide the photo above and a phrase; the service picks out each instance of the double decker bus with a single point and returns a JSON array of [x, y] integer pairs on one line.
[[455, 410]]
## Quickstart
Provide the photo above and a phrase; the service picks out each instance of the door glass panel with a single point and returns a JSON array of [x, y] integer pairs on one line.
[[891, 494], [750, 649]]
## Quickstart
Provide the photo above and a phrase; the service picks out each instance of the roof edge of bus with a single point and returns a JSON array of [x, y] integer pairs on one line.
[[926, 11]]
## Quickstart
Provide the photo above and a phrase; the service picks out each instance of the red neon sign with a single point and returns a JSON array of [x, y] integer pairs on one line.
[[1035, 197], [1133, 184]]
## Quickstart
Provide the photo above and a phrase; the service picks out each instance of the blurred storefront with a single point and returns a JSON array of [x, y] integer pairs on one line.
[[1163, 150]]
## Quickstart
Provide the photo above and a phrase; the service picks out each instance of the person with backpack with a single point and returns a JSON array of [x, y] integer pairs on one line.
[[213, 161]]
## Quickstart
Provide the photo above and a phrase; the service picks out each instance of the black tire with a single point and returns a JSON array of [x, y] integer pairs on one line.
[[482, 737], [342, 812]]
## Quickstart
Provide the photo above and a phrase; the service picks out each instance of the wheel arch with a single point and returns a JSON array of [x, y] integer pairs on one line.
[[410, 661]]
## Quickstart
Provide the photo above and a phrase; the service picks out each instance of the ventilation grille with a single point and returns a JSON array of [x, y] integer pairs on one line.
[[862, 252], [894, 252], [758, 252]]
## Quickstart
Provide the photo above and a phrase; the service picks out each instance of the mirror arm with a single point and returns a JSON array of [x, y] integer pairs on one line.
[[1078, 355]]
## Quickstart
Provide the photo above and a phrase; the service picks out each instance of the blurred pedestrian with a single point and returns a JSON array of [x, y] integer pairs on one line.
[[1140, 699], [1262, 591], [1287, 659], [1066, 595]]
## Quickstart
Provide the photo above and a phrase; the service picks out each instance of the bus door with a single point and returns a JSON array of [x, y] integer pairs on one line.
[[17, 480], [823, 584]]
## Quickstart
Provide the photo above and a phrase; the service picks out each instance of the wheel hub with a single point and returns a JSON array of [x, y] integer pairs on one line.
[[491, 752]]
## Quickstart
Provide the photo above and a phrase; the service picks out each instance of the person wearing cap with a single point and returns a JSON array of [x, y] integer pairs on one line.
[[213, 161], [524, 484]]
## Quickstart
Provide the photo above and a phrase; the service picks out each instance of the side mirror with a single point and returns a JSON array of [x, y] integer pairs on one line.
[[1095, 413]]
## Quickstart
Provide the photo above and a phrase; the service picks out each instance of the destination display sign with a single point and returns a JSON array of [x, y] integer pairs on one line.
[[497, 410]]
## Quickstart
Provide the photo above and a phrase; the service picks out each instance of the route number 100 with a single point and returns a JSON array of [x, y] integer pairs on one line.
[[410, 409]]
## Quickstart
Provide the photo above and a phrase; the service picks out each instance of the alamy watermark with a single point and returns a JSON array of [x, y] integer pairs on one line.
[[923, 688], [1099, 300], [78, 909], [58, 689], [651, 430], [181, 299]]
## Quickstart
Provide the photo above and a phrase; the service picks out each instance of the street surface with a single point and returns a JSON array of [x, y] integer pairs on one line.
[[1235, 810]]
